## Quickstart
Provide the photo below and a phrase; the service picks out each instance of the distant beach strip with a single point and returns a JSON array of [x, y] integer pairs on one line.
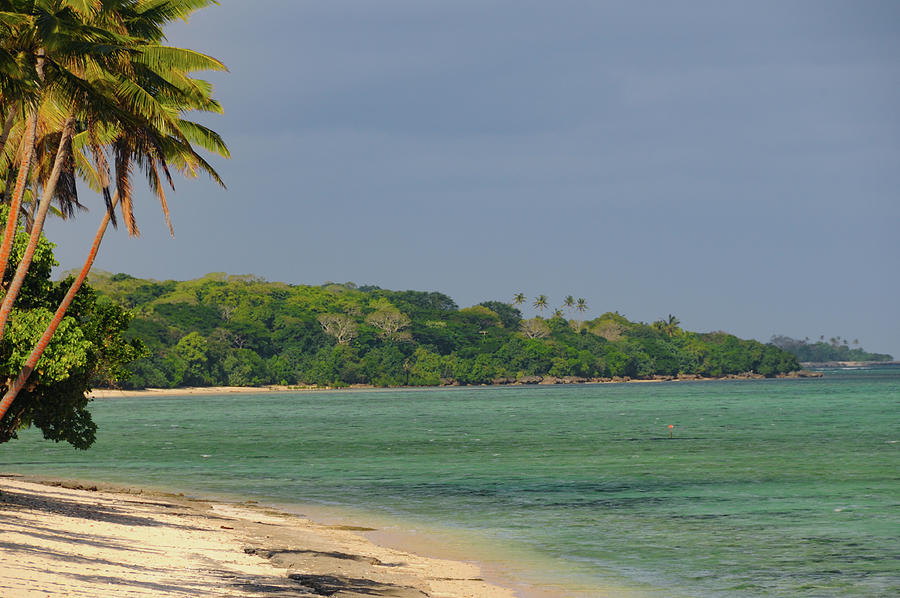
[[106, 393]]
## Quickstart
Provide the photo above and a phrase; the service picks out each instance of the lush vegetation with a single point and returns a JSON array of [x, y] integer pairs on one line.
[[88, 348], [241, 330], [836, 349]]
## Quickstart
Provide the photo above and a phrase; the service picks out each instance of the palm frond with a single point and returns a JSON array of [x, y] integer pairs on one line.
[[161, 194], [204, 137], [166, 58], [85, 8], [124, 188]]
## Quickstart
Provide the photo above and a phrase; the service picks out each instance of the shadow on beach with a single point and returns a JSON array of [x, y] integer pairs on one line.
[[10, 501], [39, 542]]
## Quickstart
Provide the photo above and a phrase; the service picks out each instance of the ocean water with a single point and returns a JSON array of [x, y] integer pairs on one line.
[[784, 488]]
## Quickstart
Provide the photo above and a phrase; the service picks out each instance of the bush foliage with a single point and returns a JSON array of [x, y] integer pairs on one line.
[[89, 349]]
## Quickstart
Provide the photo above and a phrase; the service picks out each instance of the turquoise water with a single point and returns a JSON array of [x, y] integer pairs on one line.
[[767, 488]]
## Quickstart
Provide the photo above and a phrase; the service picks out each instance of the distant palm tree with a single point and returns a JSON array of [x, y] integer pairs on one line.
[[519, 298], [671, 325], [581, 306], [569, 304], [541, 303], [557, 313]]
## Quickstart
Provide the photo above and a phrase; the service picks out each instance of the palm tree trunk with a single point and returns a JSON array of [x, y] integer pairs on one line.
[[28, 137], [19, 383], [18, 191], [49, 187]]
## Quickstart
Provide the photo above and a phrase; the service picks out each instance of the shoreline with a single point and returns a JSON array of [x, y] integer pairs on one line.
[[85, 539], [104, 393], [848, 364]]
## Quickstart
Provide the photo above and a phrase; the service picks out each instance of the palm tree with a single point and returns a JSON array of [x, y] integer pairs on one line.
[[519, 298], [152, 143], [581, 307], [13, 85], [569, 303], [541, 303], [671, 326], [60, 56]]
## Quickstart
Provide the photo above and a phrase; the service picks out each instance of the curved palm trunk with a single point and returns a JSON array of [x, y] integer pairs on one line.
[[18, 191], [19, 383], [28, 138], [16, 284]]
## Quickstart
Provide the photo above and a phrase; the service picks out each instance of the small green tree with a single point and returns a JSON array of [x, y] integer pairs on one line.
[[192, 350], [88, 348]]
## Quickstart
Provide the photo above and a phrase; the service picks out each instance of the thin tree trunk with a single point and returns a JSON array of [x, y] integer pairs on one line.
[[18, 191], [28, 137], [16, 284], [41, 345]]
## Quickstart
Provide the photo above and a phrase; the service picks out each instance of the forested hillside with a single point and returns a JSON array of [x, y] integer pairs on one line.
[[241, 330]]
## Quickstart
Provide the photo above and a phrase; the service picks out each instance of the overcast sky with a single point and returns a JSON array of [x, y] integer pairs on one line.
[[736, 164]]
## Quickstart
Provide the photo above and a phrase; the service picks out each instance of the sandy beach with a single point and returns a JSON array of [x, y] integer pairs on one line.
[[105, 393], [71, 540]]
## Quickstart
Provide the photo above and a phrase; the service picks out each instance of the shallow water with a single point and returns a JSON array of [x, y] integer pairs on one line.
[[767, 488]]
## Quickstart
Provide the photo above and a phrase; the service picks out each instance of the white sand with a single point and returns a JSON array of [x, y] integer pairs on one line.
[[57, 541]]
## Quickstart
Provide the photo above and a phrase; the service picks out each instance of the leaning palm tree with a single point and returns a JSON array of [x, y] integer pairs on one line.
[[31, 362], [19, 80], [58, 41], [541, 303], [153, 136]]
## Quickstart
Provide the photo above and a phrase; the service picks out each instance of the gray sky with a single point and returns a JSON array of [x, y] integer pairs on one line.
[[736, 164]]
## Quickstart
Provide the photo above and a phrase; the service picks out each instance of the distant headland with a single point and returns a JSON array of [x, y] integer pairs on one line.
[[226, 330]]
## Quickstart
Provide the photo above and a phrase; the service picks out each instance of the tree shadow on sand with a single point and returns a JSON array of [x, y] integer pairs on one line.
[[332, 585], [11, 500]]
